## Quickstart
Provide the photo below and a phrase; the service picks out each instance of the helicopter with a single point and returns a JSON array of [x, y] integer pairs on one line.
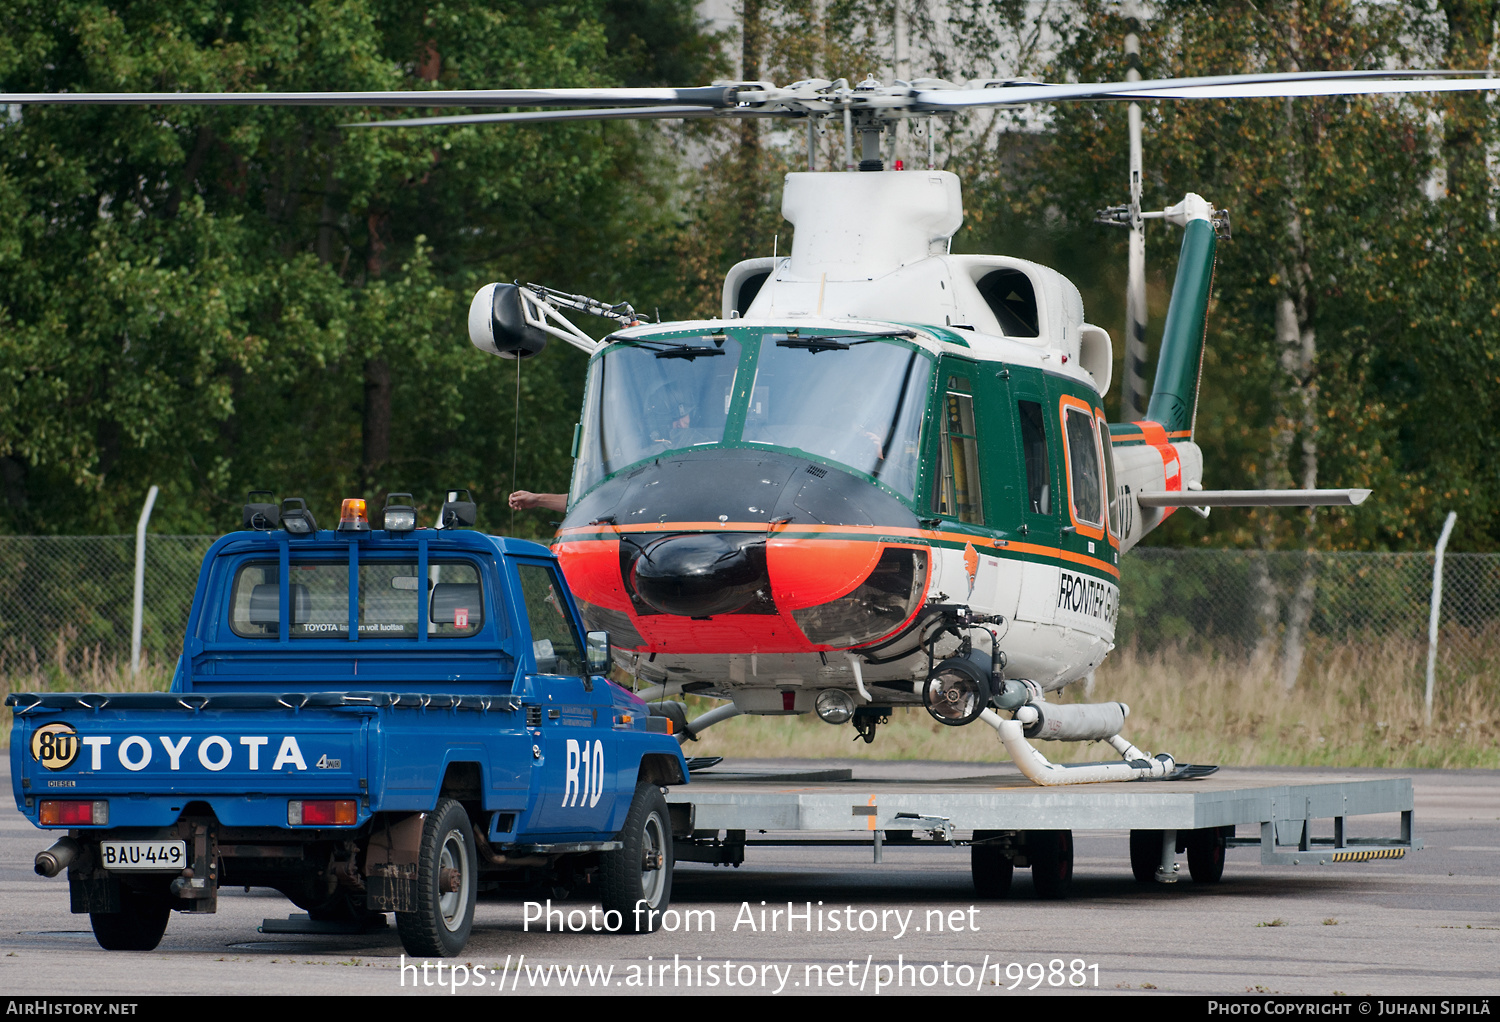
[[883, 475]]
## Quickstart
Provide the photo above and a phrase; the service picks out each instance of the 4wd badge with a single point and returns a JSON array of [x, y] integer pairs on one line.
[[54, 746]]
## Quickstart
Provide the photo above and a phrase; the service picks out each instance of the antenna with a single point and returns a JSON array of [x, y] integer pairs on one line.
[[1133, 394]]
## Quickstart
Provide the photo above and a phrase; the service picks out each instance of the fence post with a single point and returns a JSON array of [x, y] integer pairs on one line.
[[140, 581], [1437, 603]]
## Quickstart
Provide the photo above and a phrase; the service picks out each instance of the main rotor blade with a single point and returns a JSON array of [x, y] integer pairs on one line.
[[532, 116], [711, 97], [1283, 84]]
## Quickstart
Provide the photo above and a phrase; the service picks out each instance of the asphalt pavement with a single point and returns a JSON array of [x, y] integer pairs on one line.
[[829, 920]]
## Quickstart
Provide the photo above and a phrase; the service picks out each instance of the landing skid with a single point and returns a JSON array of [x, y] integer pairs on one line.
[[1134, 764], [1187, 772]]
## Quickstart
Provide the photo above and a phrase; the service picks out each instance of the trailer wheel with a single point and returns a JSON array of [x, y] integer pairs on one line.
[[447, 879], [991, 866], [138, 926], [1145, 855], [1205, 854], [1051, 855], [636, 880]]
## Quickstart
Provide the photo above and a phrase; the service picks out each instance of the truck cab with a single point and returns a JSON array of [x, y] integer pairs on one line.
[[368, 720]]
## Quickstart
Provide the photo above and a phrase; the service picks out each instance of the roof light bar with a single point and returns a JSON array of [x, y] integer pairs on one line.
[[297, 520], [353, 516], [399, 517], [261, 516], [458, 514]]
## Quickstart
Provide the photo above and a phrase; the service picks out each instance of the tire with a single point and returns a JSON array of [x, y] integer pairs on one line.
[[138, 926], [1205, 854], [439, 928], [991, 866], [1051, 855], [1145, 855], [641, 871]]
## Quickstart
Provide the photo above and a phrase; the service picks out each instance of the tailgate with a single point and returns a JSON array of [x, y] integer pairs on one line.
[[150, 754]]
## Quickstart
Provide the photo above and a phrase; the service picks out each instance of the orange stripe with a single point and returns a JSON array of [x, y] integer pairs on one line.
[[931, 535], [1156, 434]]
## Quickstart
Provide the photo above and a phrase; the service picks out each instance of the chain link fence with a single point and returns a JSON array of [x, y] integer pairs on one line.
[[65, 600], [69, 597], [1240, 603]]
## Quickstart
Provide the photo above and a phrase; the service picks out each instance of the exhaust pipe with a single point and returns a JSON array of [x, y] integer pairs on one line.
[[54, 860]]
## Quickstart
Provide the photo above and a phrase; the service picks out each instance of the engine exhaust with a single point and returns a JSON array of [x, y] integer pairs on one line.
[[54, 860]]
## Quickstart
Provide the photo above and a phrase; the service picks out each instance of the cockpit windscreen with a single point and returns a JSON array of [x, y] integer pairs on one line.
[[855, 400], [648, 397]]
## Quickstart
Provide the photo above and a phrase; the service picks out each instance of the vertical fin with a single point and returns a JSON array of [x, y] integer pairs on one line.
[[1179, 370]]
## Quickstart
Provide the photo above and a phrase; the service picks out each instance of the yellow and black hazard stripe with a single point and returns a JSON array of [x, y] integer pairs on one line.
[[1367, 854]]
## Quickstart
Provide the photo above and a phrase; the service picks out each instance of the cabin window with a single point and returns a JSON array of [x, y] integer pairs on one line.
[[1111, 487], [1085, 474], [1038, 470], [1012, 298], [858, 402], [957, 493], [553, 640], [646, 397]]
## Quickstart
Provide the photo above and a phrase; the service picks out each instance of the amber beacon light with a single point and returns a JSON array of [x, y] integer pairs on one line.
[[353, 516]]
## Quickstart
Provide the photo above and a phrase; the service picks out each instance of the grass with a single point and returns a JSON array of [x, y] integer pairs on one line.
[[1358, 704], [77, 669]]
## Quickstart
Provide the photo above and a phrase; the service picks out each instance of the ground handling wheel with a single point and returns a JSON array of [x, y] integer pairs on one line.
[[636, 880], [447, 880], [1050, 853], [139, 924], [991, 864], [1205, 854], [1145, 855]]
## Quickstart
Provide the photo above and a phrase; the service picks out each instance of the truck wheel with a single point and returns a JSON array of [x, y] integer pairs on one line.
[[1145, 855], [138, 926], [1205, 854], [990, 865], [1051, 855], [636, 880], [447, 879]]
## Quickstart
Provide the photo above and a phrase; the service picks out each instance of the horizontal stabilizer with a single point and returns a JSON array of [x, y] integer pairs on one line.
[[1253, 498]]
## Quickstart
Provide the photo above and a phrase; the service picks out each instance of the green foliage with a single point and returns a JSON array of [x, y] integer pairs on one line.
[[1332, 217], [216, 298]]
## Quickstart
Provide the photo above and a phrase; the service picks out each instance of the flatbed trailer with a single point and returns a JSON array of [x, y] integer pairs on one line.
[[1007, 822]]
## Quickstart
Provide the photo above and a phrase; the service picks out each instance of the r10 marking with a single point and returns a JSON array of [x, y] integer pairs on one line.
[[589, 760]]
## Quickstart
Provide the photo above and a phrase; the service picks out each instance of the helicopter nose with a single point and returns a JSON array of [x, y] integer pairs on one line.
[[700, 574]]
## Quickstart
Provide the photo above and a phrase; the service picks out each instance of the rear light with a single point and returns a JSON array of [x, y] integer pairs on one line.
[[343, 812], [74, 814]]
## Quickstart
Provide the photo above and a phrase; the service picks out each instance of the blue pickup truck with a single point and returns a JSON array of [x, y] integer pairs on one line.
[[369, 721]]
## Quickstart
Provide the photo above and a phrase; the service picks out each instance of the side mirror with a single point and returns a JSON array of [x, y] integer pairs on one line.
[[597, 653]]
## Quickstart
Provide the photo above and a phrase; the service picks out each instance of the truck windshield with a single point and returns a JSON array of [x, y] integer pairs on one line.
[[859, 402], [648, 397], [387, 600]]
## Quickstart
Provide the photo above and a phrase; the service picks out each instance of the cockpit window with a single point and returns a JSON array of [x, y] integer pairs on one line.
[[648, 397], [856, 400]]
